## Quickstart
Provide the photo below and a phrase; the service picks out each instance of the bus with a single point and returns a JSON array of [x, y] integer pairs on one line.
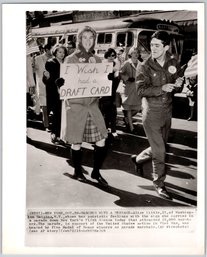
[[114, 33]]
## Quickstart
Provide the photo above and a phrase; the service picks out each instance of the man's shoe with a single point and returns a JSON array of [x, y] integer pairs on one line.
[[162, 192], [138, 166]]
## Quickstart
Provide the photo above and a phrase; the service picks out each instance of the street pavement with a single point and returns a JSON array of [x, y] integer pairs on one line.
[[49, 170]]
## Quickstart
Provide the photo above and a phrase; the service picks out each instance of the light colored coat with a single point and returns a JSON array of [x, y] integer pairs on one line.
[[75, 112], [130, 98], [30, 77], [40, 61]]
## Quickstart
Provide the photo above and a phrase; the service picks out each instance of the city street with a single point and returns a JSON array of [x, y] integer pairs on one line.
[[49, 167], [49, 170]]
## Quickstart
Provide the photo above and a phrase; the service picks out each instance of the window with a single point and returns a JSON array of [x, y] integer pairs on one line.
[[40, 41], [104, 38], [124, 39], [100, 39], [52, 40], [129, 39], [72, 38], [121, 39], [108, 38], [144, 39], [61, 40]]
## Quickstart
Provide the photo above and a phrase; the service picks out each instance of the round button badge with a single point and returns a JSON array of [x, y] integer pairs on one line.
[[172, 69]]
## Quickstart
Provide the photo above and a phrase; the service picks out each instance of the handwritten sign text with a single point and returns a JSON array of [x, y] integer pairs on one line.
[[85, 80]]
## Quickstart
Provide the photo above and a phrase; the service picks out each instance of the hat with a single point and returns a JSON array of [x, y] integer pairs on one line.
[[191, 70]]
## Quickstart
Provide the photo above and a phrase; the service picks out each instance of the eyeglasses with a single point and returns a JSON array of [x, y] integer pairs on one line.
[[112, 55]]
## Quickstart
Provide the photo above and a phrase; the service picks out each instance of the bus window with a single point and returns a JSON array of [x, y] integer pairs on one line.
[[121, 38], [72, 38], [100, 39], [144, 39], [177, 45], [124, 39], [61, 40], [108, 38], [129, 39], [41, 41], [52, 40], [104, 38]]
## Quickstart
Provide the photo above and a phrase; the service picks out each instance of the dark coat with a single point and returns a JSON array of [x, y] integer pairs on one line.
[[151, 77], [53, 67], [53, 98]]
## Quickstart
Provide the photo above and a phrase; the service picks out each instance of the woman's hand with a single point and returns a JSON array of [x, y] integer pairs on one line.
[[59, 82], [46, 74], [179, 82], [189, 93], [110, 76]]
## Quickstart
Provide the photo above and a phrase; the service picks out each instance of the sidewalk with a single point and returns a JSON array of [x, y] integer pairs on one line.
[[49, 182]]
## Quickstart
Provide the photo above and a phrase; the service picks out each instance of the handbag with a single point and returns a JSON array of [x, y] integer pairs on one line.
[[121, 87]]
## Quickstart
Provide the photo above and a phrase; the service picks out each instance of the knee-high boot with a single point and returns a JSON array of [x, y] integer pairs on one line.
[[76, 156], [99, 157]]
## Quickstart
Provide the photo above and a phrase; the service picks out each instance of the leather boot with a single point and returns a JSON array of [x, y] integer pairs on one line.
[[76, 156], [99, 157]]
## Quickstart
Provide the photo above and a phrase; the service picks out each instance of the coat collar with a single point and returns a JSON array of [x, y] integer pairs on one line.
[[132, 64]]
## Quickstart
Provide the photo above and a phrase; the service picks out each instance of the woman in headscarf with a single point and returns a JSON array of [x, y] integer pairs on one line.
[[131, 102], [84, 121]]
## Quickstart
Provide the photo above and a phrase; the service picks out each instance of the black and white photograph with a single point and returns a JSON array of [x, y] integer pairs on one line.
[[113, 129]]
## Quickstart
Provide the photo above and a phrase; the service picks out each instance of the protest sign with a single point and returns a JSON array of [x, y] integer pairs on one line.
[[85, 80]]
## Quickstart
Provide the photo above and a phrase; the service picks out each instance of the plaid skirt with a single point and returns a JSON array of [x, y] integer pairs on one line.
[[91, 133]]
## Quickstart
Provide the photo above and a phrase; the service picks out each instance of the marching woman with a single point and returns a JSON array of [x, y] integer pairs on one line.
[[50, 78], [84, 121], [108, 103], [131, 102]]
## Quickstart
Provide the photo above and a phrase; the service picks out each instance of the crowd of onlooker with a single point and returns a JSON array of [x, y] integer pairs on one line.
[[43, 70], [43, 97]]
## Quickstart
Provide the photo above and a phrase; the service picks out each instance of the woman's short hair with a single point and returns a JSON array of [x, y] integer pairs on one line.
[[109, 52], [57, 47], [133, 49]]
